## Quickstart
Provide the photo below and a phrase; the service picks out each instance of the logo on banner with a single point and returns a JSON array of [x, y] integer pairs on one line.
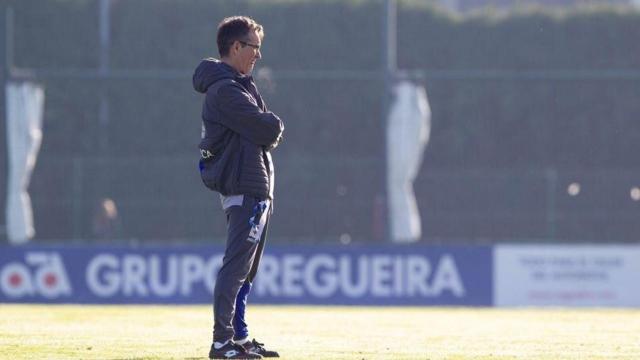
[[378, 276], [134, 275], [41, 274]]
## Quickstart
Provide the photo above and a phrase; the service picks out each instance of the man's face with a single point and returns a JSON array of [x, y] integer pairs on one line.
[[248, 53]]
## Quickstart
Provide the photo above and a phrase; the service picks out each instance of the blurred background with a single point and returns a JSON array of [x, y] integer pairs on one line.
[[535, 128]]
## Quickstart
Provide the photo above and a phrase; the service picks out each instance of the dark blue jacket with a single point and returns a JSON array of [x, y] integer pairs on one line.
[[238, 132]]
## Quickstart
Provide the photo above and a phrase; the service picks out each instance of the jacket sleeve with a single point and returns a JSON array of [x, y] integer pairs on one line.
[[243, 116]]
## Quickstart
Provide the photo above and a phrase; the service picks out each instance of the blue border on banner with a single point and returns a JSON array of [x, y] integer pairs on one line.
[[294, 274]]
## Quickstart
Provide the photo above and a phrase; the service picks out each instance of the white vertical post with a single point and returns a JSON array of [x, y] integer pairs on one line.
[[408, 131], [25, 103]]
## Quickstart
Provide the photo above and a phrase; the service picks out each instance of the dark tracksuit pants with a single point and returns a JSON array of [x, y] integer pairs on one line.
[[247, 222]]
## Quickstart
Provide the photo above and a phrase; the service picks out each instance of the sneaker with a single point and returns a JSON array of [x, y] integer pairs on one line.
[[231, 350], [258, 348]]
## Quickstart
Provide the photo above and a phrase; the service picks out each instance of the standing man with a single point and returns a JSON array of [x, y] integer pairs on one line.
[[238, 135]]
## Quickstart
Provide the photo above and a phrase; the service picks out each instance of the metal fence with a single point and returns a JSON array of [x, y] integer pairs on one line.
[[330, 169], [162, 199], [116, 129]]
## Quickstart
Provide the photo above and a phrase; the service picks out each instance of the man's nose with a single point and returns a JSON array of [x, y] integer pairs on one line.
[[258, 55]]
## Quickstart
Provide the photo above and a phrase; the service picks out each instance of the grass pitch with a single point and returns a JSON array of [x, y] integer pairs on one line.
[[314, 332]]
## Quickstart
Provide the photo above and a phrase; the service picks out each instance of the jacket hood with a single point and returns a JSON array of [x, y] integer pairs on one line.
[[209, 71]]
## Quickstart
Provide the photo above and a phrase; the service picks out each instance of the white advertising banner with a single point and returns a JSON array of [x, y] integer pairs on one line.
[[567, 275]]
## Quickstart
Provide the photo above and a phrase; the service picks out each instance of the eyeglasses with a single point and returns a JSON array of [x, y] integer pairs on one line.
[[244, 43]]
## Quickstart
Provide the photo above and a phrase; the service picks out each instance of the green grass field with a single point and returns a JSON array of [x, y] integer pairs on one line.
[[314, 332]]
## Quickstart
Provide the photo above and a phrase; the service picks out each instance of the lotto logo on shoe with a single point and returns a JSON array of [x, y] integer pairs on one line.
[[41, 274], [231, 353]]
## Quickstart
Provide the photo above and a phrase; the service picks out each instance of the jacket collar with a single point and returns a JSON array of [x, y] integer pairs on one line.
[[236, 74]]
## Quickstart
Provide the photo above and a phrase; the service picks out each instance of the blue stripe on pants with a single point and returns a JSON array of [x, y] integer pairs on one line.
[[239, 325]]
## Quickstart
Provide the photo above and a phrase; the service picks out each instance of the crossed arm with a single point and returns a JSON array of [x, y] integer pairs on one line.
[[242, 115]]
